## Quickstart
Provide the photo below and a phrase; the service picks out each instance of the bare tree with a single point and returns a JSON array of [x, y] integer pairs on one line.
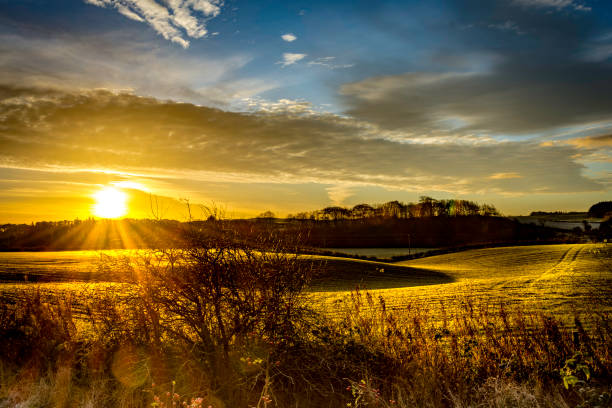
[[223, 284]]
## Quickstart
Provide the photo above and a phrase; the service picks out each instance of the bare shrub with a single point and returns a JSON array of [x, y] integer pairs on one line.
[[221, 289]]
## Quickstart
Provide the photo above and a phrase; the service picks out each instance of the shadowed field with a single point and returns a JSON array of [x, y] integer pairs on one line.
[[342, 274]]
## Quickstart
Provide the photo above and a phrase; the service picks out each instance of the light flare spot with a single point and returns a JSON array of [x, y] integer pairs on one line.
[[110, 203]]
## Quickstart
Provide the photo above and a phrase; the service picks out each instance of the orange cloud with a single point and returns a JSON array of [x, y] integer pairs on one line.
[[503, 176], [592, 141]]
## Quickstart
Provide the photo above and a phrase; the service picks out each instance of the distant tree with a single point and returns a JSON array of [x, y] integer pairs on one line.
[[362, 211], [427, 206], [452, 207], [266, 215], [472, 208], [392, 209], [601, 209], [459, 208], [320, 215], [378, 211], [586, 225], [488, 210], [441, 208], [414, 210], [605, 230], [336, 213]]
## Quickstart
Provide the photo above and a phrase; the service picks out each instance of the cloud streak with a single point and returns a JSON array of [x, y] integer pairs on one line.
[[328, 62], [291, 58], [557, 4], [174, 20], [507, 26], [178, 140], [105, 61]]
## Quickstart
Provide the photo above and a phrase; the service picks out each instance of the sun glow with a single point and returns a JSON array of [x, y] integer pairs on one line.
[[110, 203]]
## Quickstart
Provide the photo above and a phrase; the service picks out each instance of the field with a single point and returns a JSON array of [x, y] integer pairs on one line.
[[559, 279], [56, 266], [553, 277], [488, 327], [380, 253]]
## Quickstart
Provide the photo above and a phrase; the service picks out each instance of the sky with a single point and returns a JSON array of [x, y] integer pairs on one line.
[[250, 106]]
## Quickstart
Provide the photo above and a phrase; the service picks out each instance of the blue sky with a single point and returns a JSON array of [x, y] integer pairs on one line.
[[306, 103]]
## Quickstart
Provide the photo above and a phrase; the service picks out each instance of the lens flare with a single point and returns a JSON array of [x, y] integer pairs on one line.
[[110, 203]]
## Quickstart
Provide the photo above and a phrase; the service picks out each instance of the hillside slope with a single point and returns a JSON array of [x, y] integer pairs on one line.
[[556, 278]]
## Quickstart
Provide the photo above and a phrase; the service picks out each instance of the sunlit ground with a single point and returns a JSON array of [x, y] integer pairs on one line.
[[560, 279], [557, 279]]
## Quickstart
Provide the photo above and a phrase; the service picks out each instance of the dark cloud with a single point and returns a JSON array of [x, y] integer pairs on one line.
[[513, 98], [478, 77], [129, 133]]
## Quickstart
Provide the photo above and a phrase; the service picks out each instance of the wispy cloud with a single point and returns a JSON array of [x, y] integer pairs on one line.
[[291, 58], [598, 52], [338, 194], [328, 62], [504, 176], [598, 49], [106, 61], [507, 25], [173, 19], [284, 106], [289, 37], [558, 4]]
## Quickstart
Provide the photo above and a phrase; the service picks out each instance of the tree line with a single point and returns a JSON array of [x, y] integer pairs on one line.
[[426, 207], [87, 234]]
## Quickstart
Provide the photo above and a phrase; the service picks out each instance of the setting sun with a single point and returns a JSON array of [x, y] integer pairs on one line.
[[110, 203]]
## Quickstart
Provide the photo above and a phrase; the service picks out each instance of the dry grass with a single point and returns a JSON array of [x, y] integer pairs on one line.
[[496, 327]]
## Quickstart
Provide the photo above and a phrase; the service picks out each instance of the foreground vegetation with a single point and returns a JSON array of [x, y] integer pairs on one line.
[[226, 323]]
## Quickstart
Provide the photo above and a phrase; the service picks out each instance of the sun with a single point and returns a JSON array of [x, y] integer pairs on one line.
[[110, 203]]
